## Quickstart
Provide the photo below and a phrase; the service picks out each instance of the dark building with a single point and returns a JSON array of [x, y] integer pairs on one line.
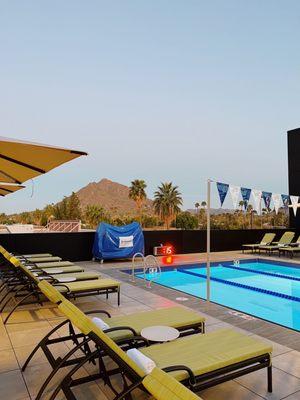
[[294, 171]]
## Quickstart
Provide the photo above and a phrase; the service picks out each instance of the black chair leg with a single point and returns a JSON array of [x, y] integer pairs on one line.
[[42, 342], [270, 383], [128, 391], [58, 366], [68, 378], [16, 306]]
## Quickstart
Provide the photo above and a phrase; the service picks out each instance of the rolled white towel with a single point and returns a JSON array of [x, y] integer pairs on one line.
[[144, 362], [100, 323]]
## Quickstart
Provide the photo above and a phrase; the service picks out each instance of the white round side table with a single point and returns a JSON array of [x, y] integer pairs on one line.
[[66, 279], [160, 333]]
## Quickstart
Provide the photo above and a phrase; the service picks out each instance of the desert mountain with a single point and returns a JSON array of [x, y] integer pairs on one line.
[[112, 196]]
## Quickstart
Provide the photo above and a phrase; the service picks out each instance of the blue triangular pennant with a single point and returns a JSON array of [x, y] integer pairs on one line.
[[285, 199], [246, 193], [267, 196], [222, 190]]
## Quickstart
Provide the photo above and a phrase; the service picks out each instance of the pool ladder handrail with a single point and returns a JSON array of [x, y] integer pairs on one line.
[[150, 259], [133, 264]]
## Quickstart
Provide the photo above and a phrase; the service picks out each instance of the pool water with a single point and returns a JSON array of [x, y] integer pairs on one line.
[[263, 289]]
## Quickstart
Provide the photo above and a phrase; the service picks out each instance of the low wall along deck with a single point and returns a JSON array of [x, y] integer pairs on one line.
[[77, 246]]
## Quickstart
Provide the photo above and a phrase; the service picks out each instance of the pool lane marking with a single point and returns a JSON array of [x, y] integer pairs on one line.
[[241, 285], [292, 278]]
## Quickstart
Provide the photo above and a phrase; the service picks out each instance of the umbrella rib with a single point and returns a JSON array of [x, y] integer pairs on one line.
[[10, 177], [6, 190], [23, 164]]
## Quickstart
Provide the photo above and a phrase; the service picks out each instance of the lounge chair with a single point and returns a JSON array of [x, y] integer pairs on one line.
[[43, 259], [266, 240], [29, 281], [186, 321], [291, 249], [285, 240], [53, 264], [198, 361], [36, 255]]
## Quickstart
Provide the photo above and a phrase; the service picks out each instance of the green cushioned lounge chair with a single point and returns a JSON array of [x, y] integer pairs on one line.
[[291, 249], [79, 276], [43, 259], [37, 255], [198, 361], [266, 240], [65, 270], [29, 285], [285, 240], [185, 320], [54, 264]]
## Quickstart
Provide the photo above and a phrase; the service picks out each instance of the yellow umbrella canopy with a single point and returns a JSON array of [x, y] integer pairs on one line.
[[20, 161], [8, 189]]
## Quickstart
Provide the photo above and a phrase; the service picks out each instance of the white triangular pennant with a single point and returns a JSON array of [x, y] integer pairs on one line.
[[256, 194], [234, 193], [276, 200], [294, 201]]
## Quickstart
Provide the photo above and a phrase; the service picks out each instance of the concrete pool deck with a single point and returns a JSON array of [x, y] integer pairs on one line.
[[32, 322]]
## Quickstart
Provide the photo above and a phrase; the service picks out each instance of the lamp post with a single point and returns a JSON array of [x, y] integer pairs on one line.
[[208, 242]]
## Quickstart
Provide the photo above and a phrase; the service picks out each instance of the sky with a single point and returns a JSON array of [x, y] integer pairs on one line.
[[157, 90]]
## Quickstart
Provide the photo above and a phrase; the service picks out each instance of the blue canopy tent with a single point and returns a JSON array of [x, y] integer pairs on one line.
[[113, 242]]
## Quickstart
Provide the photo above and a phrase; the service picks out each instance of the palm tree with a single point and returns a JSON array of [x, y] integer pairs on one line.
[[241, 204], [167, 202], [138, 195], [203, 204], [197, 205], [251, 212]]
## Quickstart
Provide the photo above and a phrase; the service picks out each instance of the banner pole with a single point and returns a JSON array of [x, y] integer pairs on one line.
[[208, 242]]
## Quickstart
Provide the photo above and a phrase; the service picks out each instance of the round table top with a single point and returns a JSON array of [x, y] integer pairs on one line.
[[66, 279], [53, 271], [160, 333]]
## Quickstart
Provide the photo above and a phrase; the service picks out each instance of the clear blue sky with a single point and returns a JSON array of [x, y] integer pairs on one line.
[[159, 90]]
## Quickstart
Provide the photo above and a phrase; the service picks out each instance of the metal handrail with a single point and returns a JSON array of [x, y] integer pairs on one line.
[[133, 264], [150, 259]]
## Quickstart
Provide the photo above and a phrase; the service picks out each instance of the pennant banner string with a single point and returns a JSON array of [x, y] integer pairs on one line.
[[257, 195]]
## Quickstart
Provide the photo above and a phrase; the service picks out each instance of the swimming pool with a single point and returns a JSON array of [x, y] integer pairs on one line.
[[265, 289]]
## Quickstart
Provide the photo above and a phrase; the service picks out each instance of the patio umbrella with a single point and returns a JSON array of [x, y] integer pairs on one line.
[[8, 189], [20, 160]]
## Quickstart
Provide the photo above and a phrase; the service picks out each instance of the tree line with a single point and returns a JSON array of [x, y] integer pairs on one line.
[[165, 213]]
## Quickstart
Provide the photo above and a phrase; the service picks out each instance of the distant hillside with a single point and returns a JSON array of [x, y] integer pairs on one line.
[[110, 195]]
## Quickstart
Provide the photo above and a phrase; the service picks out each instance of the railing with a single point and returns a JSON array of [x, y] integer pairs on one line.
[[63, 226]]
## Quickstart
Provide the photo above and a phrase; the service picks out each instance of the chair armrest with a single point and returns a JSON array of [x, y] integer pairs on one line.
[[121, 328], [181, 368], [61, 285], [98, 312]]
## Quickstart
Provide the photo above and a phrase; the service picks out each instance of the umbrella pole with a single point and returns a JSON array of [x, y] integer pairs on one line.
[[208, 242]]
